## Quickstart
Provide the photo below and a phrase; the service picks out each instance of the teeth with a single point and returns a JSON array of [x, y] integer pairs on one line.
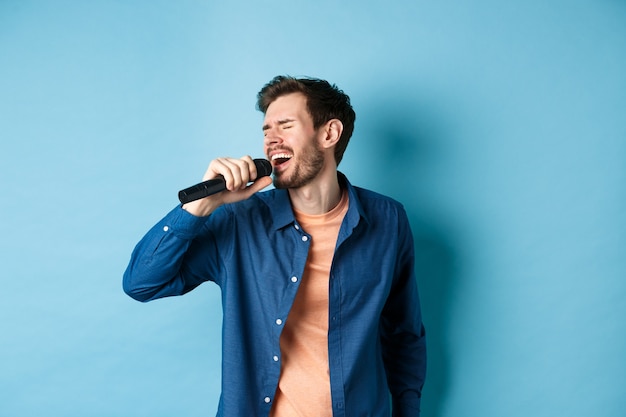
[[281, 156]]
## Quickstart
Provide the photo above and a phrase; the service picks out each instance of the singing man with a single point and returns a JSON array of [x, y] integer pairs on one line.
[[321, 314]]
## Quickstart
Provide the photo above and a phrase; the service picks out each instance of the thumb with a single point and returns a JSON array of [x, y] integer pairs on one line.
[[258, 185]]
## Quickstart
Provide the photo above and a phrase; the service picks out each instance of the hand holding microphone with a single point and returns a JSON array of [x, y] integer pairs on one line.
[[226, 174]]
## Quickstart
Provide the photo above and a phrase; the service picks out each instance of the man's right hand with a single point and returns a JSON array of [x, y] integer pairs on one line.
[[237, 174]]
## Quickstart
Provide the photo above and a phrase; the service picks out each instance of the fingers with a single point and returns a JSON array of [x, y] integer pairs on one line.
[[258, 185], [237, 173]]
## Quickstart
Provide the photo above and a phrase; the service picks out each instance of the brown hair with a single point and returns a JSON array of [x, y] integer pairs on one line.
[[324, 102]]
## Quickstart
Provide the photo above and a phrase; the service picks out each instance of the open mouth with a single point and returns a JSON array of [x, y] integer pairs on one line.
[[279, 159]]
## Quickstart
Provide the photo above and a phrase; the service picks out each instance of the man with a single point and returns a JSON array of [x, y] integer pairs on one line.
[[321, 315]]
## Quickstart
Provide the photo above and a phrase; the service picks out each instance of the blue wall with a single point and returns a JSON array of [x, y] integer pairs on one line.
[[500, 125]]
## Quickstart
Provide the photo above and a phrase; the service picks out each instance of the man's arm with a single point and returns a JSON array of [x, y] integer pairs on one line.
[[160, 265], [403, 335], [180, 252]]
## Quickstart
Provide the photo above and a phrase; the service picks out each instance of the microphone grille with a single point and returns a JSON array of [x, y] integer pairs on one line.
[[263, 167]]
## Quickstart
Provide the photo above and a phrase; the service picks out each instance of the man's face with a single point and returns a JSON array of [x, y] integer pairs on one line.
[[291, 142]]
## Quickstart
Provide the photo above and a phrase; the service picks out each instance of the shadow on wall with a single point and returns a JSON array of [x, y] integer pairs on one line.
[[405, 139]]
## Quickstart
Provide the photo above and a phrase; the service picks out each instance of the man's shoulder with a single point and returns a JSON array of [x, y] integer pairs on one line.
[[370, 198], [368, 194]]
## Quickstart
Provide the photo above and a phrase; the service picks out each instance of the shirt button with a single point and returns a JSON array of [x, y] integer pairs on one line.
[[297, 227], [275, 358], [305, 238], [165, 229], [294, 279], [267, 400], [279, 321]]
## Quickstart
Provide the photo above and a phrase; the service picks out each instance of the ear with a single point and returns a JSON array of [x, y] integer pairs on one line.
[[331, 133]]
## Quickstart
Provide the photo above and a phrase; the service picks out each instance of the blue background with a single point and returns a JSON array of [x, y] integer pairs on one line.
[[500, 125]]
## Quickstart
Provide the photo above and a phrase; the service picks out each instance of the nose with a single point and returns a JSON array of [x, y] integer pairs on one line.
[[271, 137]]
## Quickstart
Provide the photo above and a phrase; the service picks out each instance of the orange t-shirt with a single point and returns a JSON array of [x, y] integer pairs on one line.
[[304, 384]]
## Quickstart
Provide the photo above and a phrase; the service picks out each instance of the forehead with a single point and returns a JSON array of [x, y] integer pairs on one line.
[[289, 106]]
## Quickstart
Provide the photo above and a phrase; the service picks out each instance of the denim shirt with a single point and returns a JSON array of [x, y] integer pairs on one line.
[[256, 252]]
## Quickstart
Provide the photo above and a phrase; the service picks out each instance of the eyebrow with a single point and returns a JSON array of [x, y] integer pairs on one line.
[[280, 122]]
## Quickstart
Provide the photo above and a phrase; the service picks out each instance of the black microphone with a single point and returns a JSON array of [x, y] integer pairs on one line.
[[215, 185]]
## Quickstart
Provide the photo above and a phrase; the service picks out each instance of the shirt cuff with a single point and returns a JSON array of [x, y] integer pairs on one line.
[[406, 407]]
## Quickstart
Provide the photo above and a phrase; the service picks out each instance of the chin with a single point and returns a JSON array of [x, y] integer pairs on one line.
[[281, 183]]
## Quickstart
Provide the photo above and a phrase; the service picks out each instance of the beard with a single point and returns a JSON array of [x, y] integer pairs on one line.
[[304, 169]]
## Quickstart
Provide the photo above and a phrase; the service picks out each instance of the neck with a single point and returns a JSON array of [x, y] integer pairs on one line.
[[318, 197]]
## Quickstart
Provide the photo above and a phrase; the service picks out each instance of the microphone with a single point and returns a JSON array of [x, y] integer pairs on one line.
[[215, 185]]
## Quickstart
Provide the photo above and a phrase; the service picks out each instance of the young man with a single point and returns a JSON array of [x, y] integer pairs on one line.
[[321, 315]]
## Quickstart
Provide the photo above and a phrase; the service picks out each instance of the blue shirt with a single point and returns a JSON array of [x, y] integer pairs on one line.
[[256, 252]]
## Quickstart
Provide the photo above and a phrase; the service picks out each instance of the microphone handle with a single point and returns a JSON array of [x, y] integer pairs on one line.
[[201, 190], [218, 184]]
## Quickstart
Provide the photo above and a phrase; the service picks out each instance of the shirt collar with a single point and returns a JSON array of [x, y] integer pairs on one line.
[[282, 214]]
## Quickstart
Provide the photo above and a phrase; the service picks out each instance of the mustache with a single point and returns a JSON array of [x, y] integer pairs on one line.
[[279, 148]]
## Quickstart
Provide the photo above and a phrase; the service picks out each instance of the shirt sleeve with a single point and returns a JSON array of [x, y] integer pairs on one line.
[[174, 257], [402, 331]]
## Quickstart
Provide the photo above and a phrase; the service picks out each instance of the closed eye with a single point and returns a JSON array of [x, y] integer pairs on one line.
[[286, 123], [283, 124]]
